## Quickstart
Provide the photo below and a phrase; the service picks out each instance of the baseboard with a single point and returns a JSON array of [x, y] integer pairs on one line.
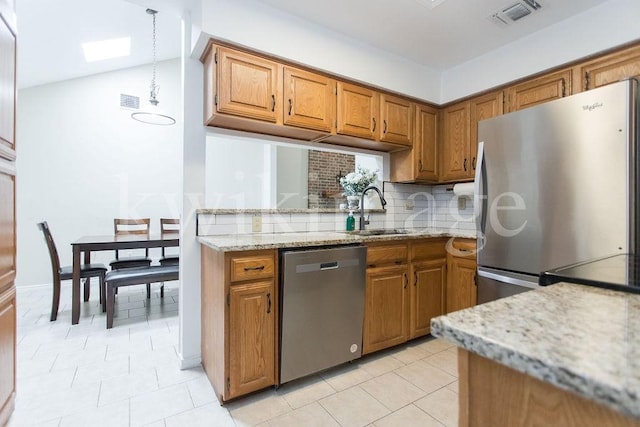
[[191, 362]]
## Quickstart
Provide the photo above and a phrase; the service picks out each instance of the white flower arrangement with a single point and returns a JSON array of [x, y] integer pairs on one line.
[[355, 182]]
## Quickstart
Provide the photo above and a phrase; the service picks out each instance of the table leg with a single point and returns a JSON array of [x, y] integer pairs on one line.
[[87, 281], [75, 287]]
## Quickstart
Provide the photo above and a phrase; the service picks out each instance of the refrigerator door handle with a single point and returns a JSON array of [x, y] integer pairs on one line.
[[507, 279], [479, 205]]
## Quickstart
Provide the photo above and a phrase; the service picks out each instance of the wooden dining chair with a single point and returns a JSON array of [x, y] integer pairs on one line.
[[66, 273], [169, 225], [123, 226]]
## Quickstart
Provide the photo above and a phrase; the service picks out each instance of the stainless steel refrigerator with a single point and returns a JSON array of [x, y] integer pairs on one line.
[[556, 186]]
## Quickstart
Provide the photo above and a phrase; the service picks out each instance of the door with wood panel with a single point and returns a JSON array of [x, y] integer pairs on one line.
[[456, 154], [427, 300], [385, 310], [538, 91], [310, 100], [357, 111], [482, 108], [396, 115], [426, 143], [611, 68], [7, 215], [461, 283], [251, 337], [248, 86]]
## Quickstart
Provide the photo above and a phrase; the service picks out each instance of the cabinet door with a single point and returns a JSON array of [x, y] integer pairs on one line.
[[251, 337], [427, 295], [7, 88], [540, 90], [357, 111], [461, 283], [7, 353], [611, 68], [397, 120], [385, 312], [248, 86], [310, 100], [426, 143], [483, 107], [456, 160]]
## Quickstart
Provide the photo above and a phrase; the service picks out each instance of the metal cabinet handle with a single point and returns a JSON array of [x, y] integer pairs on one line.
[[406, 280], [268, 302], [384, 126], [473, 163], [415, 278], [290, 106], [273, 103], [374, 124], [464, 165], [420, 165], [254, 268]]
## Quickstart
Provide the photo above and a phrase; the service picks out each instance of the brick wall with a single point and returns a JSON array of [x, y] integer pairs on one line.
[[324, 168]]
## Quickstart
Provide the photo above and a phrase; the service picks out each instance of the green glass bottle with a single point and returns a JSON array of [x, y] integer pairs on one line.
[[351, 222]]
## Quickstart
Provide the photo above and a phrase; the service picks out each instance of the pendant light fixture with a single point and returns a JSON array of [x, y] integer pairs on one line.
[[152, 115]]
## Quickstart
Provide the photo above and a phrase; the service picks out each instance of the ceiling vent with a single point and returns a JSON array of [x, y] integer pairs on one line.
[[514, 12]]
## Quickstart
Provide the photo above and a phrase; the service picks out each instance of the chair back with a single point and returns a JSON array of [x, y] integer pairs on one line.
[[169, 225], [123, 226], [53, 252], [131, 226]]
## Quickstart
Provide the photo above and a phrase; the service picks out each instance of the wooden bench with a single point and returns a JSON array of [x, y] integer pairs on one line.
[[135, 276]]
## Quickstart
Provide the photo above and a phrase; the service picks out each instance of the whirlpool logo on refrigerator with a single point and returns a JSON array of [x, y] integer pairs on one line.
[[593, 106]]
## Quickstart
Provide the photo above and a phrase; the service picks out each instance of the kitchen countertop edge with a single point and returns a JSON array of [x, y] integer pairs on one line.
[[471, 329], [257, 241]]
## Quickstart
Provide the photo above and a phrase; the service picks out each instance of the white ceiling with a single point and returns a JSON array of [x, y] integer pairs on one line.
[[453, 32]]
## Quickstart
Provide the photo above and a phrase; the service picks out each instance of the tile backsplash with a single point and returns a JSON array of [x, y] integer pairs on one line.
[[408, 206]]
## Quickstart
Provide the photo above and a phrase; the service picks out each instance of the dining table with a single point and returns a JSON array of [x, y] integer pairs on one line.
[[87, 244]]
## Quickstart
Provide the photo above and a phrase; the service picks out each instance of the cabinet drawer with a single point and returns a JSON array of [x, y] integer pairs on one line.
[[430, 249], [251, 267], [388, 254]]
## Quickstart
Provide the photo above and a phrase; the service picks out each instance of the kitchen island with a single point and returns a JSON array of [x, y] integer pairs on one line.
[[564, 355]]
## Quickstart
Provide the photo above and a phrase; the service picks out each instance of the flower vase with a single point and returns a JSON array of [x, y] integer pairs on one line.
[[353, 202]]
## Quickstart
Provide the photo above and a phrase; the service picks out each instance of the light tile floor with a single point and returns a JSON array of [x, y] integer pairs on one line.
[[85, 375]]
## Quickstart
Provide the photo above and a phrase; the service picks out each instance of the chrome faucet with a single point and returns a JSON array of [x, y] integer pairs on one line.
[[363, 221]]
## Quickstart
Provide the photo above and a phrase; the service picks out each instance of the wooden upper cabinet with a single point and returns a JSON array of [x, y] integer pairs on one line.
[[611, 68], [248, 86], [358, 109], [7, 90], [540, 90], [396, 115], [455, 152], [483, 107], [426, 143], [310, 100]]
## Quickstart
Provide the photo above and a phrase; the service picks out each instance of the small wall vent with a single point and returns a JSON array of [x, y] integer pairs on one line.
[[514, 12], [129, 101]]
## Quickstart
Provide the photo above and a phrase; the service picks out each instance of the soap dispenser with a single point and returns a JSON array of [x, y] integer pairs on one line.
[[351, 222]]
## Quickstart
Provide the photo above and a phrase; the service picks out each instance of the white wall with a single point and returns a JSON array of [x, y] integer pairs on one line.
[[261, 27], [602, 27], [83, 161]]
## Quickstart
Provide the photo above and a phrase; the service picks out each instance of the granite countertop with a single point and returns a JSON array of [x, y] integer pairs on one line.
[[578, 338], [252, 241]]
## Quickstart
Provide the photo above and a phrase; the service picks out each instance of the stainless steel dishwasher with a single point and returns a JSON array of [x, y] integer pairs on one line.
[[322, 309]]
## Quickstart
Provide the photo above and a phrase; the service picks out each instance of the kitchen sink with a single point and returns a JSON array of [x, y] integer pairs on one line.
[[378, 232]]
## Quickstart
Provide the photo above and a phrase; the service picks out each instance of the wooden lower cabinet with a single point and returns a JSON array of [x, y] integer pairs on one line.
[[462, 291], [427, 295], [385, 308], [404, 290], [494, 395], [239, 309], [7, 353], [251, 337]]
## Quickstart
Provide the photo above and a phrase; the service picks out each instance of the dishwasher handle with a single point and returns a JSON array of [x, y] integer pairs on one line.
[[329, 265]]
